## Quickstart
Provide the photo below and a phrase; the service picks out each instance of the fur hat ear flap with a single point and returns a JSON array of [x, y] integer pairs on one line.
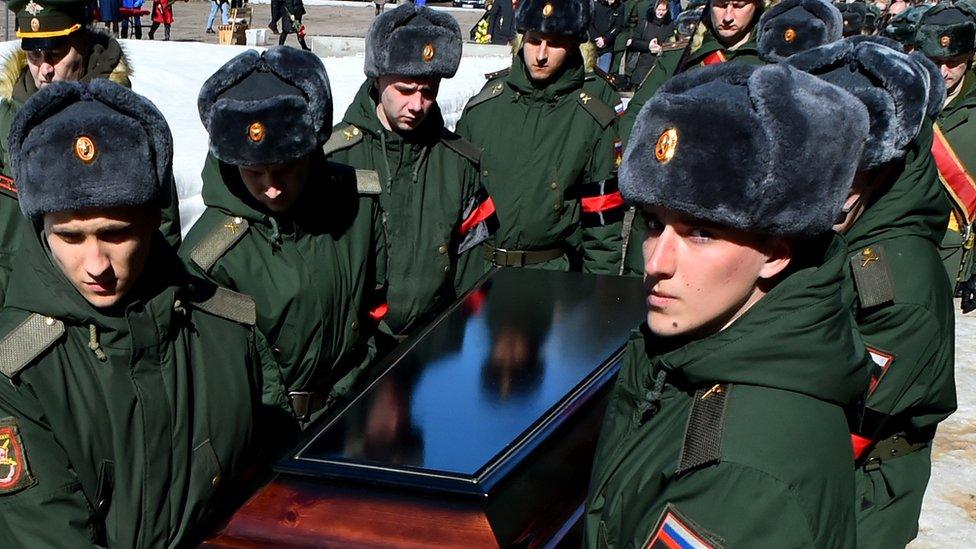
[[797, 25], [890, 84], [937, 85], [560, 17], [768, 150]]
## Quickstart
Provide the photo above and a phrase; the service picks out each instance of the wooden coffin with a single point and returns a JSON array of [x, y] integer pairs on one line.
[[480, 433]]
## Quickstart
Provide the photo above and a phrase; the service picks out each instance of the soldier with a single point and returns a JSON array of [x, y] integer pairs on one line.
[[893, 221], [122, 425], [725, 33], [554, 182], [55, 45], [787, 28], [287, 228], [426, 177], [946, 35], [727, 425]]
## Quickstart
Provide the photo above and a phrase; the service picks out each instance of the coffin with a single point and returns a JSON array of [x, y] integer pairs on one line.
[[479, 433]]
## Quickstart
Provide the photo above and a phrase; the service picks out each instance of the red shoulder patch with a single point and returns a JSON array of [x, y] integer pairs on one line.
[[15, 474], [673, 531]]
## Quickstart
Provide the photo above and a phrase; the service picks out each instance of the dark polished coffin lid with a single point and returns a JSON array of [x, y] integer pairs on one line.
[[488, 418]]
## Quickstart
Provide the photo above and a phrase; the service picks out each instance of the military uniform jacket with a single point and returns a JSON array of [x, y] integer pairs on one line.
[[310, 273], [738, 439], [674, 60], [902, 301], [428, 186], [958, 124], [128, 428], [106, 60], [550, 158]]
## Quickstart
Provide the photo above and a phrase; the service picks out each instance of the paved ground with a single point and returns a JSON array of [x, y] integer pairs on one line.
[[191, 20]]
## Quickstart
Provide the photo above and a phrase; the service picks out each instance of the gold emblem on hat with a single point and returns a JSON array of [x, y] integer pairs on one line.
[[667, 143], [35, 24], [547, 10], [428, 52], [85, 149], [944, 41], [255, 132], [33, 8], [789, 35]]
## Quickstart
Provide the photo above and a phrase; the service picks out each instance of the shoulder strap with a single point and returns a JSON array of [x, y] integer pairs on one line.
[[368, 182], [491, 90], [213, 246], [872, 277], [461, 146], [599, 110], [498, 74], [342, 138], [228, 304], [602, 74], [27, 341], [706, 424]]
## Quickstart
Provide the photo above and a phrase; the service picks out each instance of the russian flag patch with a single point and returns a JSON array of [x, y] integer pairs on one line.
[[882, 361], [675, 532], [619, 109]]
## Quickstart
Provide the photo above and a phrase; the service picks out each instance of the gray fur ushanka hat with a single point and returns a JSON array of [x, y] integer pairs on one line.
[[560, 17], [267, 108], [413, 41], [768, 150], [90, 145], [946, 31], [796, 25], [893, 86]]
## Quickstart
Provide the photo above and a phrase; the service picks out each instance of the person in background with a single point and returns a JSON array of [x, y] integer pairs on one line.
[[132, 13], [654, 29], [291, 22], [162, 15], [609, 20], [223, 6], [501, 24]]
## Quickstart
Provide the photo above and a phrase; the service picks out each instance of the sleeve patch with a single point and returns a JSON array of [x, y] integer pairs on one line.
[[15, 473], [618, 152], [882, 361], [675, 532]]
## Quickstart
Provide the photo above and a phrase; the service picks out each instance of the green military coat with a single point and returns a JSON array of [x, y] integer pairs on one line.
[[902, 302], [106, 60], [665, 68], [550, 158], [429, 183], [958, 123], [311, 272], [739, 439], [129, 428]]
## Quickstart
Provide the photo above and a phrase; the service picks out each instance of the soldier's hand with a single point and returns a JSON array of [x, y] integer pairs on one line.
[[968, 290]]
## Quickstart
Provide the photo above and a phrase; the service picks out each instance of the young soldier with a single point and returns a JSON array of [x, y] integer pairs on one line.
[[946, 35], [122, 427], [284, 226], [427, 178], [55, 45], [727, 425], [894, 219], [551, 149]]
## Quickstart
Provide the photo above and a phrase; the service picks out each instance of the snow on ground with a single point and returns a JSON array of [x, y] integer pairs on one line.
[[170, 74]]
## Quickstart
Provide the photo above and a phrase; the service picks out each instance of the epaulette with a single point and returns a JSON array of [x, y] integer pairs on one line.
[[872, 277], [7, 186], [491, 90], [497, 74], [671, 46], [213, 246], [342, 138], [27, 341], [461, 146], [602, 74], [599, 110], [702, 444], [368, 182], [227, 304]]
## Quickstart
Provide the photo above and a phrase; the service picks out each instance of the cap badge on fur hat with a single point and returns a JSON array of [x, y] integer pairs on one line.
[[667, 144], [85, 149], [256, 132], [428, 53], [35, 24], [789, 35], [547, 10], [944, 41]]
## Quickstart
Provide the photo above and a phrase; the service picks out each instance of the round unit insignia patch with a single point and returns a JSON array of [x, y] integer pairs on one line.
[[255, 132], [85, 149], [667, 143], [14, 472]]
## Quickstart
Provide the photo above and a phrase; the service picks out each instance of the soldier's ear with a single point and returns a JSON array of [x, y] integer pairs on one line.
[[779, 254]]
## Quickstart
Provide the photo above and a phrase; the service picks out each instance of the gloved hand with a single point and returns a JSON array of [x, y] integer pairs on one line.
[[968, 290]]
